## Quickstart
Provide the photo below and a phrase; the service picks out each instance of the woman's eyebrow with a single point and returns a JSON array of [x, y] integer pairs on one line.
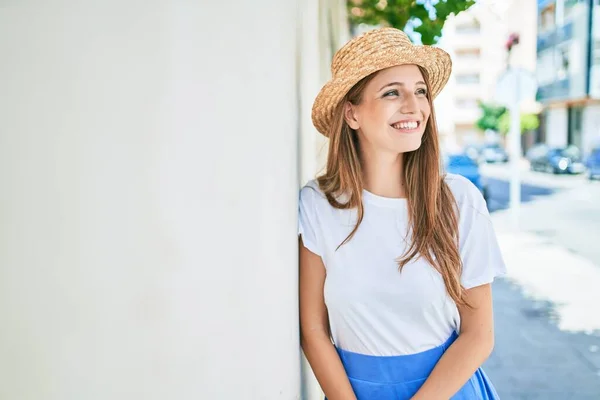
[[398, 84]]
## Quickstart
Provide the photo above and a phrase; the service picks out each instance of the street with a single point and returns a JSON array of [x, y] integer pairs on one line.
[[547, 309], [564, 209]]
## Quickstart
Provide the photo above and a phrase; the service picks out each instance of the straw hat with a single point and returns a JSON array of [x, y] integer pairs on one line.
[[371, 52]]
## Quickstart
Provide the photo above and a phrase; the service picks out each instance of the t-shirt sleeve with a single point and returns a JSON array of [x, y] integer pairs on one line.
[[479, 249], [307, 220]]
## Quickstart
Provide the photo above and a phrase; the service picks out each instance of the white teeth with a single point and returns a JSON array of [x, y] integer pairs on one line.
[[406, 125]]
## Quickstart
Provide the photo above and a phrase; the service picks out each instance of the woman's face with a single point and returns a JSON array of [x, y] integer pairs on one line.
[[393, 112]]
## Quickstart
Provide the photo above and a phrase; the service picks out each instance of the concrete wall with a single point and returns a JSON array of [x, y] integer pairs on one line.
[[590, 128], [556, 126], [148, 211], [323, 30], [521, 18]]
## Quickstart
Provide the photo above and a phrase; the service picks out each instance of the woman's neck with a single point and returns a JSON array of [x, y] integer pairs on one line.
[[383, 174]]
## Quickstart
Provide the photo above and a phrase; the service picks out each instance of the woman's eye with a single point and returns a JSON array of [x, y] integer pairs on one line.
[[422, 92], [391, 93]]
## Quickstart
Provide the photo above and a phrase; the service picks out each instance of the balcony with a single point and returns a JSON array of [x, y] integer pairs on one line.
[[467, 41], [550, 39], [554, 91], [463, 66]]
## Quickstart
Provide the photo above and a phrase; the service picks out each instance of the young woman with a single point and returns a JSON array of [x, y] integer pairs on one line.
[[396, 258]]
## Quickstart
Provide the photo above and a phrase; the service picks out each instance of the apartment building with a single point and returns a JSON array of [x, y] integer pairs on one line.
[[476, 40], [568, 72]]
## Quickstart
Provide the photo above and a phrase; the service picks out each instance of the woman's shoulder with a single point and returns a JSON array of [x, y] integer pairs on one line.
[[311, 188], [465, 192], [311, 193]]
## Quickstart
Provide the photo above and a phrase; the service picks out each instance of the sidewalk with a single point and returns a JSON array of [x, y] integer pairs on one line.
[[547, 315], [528, 177]]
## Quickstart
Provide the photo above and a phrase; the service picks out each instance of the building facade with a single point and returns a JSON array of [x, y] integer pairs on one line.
[[568, 72], [476, 40]]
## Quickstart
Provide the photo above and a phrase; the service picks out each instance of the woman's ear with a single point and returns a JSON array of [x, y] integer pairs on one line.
[[350, 116]]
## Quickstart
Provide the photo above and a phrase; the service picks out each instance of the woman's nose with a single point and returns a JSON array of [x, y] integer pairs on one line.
[[409, 104]]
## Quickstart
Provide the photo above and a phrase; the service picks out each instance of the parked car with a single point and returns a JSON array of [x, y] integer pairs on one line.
[[593, 164], [462, 164], [488, 153], [559, 160], [474, 152], [536, 151], [493, 153]]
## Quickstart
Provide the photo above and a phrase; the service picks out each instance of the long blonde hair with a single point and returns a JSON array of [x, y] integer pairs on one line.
[[433, 224]]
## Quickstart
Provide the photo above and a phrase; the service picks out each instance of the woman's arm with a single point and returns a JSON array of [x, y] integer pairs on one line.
[[314, 327], [472, 347]]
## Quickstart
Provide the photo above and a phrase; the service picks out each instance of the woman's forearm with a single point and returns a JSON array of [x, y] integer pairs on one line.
[[327, 367], [456, 367]]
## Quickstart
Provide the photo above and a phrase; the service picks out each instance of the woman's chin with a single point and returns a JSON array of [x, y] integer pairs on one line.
[[407, 144]]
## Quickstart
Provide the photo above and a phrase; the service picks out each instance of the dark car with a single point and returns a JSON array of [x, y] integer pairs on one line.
[[593, 164], [536, 151], [559, 160], [462, 164]]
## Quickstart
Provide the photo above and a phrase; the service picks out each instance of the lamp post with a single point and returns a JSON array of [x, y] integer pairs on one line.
[[515, 138], [514, 86]]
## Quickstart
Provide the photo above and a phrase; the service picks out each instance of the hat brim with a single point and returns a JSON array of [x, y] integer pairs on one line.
[[434, 60]]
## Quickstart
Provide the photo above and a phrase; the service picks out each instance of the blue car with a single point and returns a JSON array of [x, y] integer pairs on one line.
[[559, 160], [462, 164], [593, 164]]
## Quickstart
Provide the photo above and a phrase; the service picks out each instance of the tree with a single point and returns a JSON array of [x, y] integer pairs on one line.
[[490, 116], [529, 122], [425, 17]]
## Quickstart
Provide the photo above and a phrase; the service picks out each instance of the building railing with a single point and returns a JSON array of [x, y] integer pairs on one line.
[[558, 35], [554, 91]]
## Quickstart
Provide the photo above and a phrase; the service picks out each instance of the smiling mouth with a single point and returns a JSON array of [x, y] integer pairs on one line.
[[406, 126]]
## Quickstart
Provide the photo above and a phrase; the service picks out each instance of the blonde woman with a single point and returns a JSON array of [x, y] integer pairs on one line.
[[396, 258]]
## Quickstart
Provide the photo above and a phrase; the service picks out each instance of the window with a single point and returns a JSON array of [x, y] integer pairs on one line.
[[466, 103], [562, 62], [467, 79], [547, 18], [596, 51], [572, 7], [468, 27], [468, 54], [546, 70]]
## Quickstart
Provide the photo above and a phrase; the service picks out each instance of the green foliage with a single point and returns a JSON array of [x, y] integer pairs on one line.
[[529, 122], [426, 16], [490, 116]]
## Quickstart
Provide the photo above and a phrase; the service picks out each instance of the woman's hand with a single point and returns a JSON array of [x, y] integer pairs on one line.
[[473, 346]]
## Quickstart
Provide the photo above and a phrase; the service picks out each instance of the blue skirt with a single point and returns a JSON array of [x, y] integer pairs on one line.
[[400, 377]]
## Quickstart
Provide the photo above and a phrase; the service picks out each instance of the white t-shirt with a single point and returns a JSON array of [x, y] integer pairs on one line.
[[373, 308]]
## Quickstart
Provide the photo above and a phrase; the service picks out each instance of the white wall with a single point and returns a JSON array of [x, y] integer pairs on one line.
[[323, 30], [521, 17], [556, 126], [590, 128], [148, 211]]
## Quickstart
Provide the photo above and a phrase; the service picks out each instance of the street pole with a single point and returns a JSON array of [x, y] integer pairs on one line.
[[513, 87], [515, 154]]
